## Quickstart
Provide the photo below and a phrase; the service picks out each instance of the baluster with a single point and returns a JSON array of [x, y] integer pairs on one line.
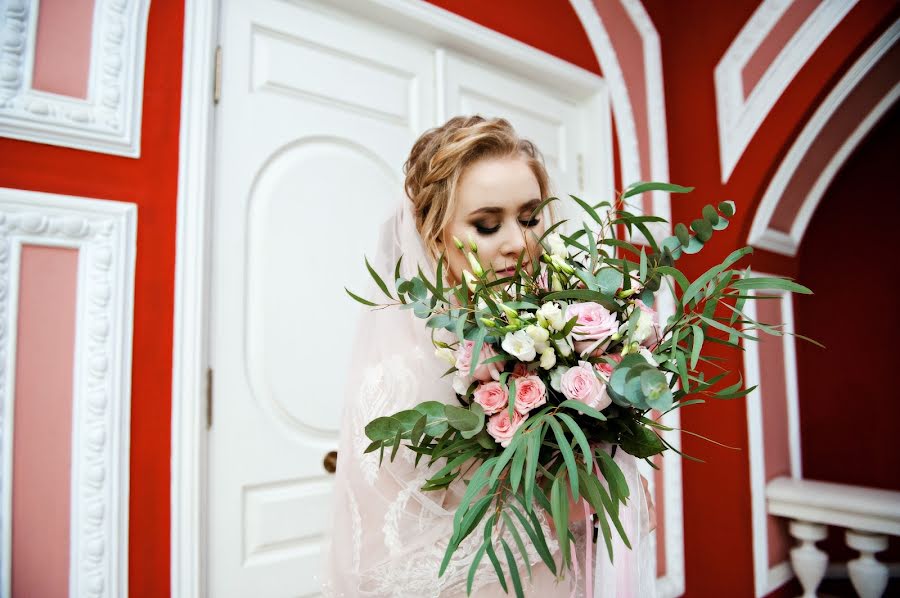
[[869, 577], [808, 561]]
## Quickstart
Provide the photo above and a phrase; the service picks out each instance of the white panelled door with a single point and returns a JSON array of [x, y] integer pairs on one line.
[[316, 118], [318, 112]]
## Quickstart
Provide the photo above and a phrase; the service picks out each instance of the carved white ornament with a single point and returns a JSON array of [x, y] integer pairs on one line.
[[104, 234], [109, 119], [739, 111]]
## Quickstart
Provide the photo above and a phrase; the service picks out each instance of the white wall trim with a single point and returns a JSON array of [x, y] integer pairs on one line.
[[672, 584], [656, 115], [766, 578], [739, 118], [109, 119], [761, 232], [188, 547], [104, 232]]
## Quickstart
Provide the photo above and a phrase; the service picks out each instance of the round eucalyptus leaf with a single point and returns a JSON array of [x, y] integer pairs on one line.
[[710, 215], [681, 231], [382, 428]]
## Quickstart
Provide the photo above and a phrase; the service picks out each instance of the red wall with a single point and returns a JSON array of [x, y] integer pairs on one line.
[[151, 183]]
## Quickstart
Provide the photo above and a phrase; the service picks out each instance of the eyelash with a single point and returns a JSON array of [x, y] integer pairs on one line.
[[484, 230]]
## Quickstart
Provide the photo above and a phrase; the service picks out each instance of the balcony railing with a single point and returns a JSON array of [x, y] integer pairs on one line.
[[868, 515]]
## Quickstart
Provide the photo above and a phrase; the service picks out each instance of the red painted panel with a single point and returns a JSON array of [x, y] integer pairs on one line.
[[877, 83], [549, 26], [62, 59], [776, 442], [151, 182], [770, 47], [42, 426]]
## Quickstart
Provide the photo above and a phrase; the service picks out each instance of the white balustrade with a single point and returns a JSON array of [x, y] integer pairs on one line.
[[868, 515]]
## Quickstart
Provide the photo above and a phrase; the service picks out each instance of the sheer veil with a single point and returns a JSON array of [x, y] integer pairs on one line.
[[388, 537]]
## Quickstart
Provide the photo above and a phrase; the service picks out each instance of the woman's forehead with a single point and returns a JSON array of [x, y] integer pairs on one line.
[[504, 184]]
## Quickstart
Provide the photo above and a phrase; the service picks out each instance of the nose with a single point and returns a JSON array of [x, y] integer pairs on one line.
[[513, 242]]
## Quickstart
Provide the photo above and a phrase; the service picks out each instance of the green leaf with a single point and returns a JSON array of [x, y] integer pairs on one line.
[[703, 229], [382, 428], [494, 561], [643, 443], [583, 408], [378, 280], [535, 533], [697, 345], [589, 485], [727, 208], [641, 187], [505, 457], [476, 350], [566, 450], [609, 280], [515, 469], [580, 438], [358, 298], [476, 560], [559, 508], [531, 459], [513, 569], [518, 540], [587, 208], [461, 419], [710, 215], [479, 413], [773, 283]]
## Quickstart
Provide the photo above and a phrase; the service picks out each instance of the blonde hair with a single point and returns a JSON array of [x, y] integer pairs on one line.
[[440, 156]]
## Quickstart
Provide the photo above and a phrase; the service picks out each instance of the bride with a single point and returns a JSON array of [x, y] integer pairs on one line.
[[470, 178]]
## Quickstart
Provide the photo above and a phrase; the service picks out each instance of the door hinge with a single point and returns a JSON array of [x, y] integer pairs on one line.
[[580, 160], [217, 76], [209, 397]]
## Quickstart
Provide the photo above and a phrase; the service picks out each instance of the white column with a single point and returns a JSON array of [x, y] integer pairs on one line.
[[808, 561], [869, 577]]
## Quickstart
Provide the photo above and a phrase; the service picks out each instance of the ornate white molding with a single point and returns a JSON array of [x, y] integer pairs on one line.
[[109, 119], [104, 233], [768, 578], [739, 115], [761, 232]]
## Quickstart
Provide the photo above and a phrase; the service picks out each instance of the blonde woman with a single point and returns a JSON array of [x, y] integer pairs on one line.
[[470, 178]]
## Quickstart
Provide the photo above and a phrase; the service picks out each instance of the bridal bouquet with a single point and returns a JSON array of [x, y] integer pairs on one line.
[[559, 362]]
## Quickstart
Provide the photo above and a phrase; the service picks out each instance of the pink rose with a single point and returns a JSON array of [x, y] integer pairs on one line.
[[580, 383], [483, 373], [502, 428], [491, 396], [606, 369], [530, 393], [647, 331], [595, 322]]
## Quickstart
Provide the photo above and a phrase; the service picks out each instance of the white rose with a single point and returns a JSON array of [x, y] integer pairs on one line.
[[519, 345], [539, 335], [548, 358], [556, 377], [552, 313], [461, 383], [557, 245], [447, 354]]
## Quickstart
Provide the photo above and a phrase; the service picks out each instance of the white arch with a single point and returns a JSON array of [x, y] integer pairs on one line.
[[762, 234]]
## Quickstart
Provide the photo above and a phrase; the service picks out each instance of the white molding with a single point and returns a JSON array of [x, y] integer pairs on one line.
[[762, 234], [109, 119], [656, 116], [104, 232], [672, 584], [766, 578], [739, 118], [188, 547]]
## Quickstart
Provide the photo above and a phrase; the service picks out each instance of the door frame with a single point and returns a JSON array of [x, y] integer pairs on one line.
[[188, 498]]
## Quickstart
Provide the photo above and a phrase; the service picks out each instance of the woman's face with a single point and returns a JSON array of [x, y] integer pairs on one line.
[[495, 200]]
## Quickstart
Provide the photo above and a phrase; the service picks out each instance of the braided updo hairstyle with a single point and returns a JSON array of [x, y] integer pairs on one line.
[[439, 157]]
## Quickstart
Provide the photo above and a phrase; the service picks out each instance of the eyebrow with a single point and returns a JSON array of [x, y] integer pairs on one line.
[[531, 204]]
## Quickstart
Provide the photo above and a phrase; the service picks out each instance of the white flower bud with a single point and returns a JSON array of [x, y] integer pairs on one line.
[[548, 358]]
